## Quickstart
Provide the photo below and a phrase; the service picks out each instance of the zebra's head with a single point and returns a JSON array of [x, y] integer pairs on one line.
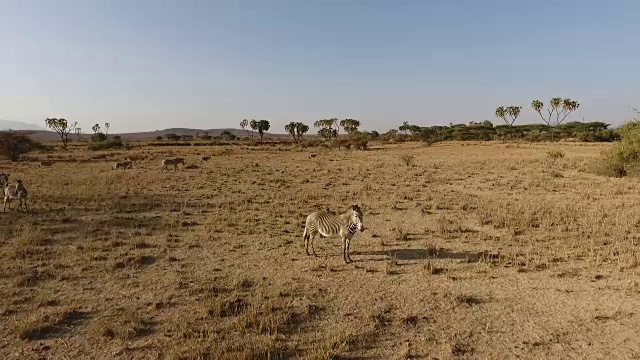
[[4, 179], [356, 217]]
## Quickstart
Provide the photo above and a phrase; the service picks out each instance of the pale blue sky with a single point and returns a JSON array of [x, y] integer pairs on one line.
[[145, 65]]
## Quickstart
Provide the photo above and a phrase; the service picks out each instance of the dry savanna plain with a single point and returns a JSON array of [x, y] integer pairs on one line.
[[473, 250]]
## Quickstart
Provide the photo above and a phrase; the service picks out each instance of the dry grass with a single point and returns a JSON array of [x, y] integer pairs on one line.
[[474, 250]]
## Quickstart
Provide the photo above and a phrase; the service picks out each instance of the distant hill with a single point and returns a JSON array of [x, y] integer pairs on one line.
[[44, 136], [17, 125]]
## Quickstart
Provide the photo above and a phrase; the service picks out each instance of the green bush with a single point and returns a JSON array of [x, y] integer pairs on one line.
[[114, 143], [624, 156], [360, 143]]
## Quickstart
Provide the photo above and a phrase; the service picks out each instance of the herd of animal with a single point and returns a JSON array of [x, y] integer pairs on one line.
[[166, 163], [323, 222]]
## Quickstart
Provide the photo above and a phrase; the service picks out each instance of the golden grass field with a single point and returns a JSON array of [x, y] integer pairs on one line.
[[472, 251]]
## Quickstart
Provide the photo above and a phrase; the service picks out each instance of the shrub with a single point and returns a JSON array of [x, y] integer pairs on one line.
[[407, 159], [554, 155], [114, 143], [340, 143], [15, 144], [311, 143], [359, 143], [624, 156], [98, 137]]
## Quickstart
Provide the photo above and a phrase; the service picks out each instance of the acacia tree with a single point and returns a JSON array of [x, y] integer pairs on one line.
[[78, 133], [509, 115], [62, 128], [296, 130], [243, 124], [254, 126], [97, 133], [558, 106], [328, 128], [350, 126], [14, 144], [404, 127], [262, 126]]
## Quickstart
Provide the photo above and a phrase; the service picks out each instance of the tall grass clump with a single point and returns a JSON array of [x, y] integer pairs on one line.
[[623, 158]]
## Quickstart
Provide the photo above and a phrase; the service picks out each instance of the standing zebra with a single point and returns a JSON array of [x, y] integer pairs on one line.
[[328, 225], [4, 181], [172, 162], [122, 165], [15, 191]]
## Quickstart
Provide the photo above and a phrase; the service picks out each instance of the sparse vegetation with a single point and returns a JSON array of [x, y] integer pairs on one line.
[[559, 107], [407, 159], [15, 144], [624, 157], [63, 128], [207, 263]]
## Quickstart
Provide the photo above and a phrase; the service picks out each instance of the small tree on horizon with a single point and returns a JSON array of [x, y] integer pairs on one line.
[[350, 126], [509, 115], [97, 133], [558, 106], [253, 124], [244, 124], [404, 127], [62, 128], [296, 130], [328, 128], [262, 126]]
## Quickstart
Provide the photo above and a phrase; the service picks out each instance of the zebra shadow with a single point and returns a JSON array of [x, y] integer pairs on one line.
[[424, 254]]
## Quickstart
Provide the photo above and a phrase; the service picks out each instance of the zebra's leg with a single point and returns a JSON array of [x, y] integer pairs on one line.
[[26, 209], [313, 237], [5, 205], [349, 249], [344, 250], [305, 236]]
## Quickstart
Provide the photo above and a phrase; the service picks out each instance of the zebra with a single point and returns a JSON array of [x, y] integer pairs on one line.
[[15, 191], [44, 163], [4, 181], [123, 165], [329, 225], [174, 162]]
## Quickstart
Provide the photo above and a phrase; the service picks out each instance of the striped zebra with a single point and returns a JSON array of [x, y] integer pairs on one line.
[[4, 181], [329, 225], [172, 162], [122, 165], [15, 191]]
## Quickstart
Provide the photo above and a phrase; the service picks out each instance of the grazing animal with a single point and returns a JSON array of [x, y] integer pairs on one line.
[[206, 158], [4, 181], [122, 165], [169, 162], [44, 163], [15, 191], [329, 225], [311, 156]]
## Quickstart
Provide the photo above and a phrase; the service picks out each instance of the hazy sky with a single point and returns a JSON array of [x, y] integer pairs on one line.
[[144, 65]]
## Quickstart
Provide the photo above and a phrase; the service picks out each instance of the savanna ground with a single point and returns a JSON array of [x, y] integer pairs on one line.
[[473, 250]]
